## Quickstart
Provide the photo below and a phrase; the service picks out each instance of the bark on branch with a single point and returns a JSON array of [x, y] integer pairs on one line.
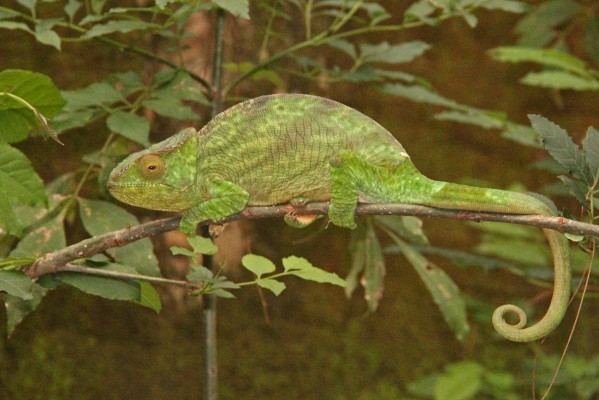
[[58, 261]]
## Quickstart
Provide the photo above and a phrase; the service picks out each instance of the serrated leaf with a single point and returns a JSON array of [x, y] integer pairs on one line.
[[392, 54], [108, 288], [444, 291], [460, 381], [239, 8], [590, 146], [258, 265], [577, 189], [100, 217], [37, 90], [418, 94], [131, 126], [122, 26], [560, 146], [16, 284], [17, 308], [19, 182], [559, 80], [202, 245], [9, 223], [273, 285], [149, 297], [420, 10]]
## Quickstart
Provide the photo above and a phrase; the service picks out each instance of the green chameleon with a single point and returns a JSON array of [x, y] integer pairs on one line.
[[300, 148]]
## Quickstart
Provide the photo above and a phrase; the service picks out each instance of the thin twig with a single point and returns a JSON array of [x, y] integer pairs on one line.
[[50, 262]]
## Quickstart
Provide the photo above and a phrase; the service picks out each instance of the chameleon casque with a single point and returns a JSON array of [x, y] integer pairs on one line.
[[300, 148]]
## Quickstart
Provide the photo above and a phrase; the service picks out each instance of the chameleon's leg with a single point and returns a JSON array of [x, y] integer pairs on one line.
[[344, 194], [226, 198], [299, 221]]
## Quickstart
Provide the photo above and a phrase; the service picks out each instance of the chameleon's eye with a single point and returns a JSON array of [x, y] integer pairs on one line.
[[151, 166]]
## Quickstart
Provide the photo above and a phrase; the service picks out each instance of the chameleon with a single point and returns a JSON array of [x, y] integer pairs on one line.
[[297, 148]]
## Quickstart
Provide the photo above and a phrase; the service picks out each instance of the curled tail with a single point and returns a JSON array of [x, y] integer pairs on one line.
[[454, 196]]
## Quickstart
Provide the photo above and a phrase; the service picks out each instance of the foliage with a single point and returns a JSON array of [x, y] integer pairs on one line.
[[33, 216], [467, 380]]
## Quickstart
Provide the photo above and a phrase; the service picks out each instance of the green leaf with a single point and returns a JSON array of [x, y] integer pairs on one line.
[[292, 263], [392, 54], [122, 26], [559, 80], [100, 217], [473, 118], [202, 245], [9, 223], [239, 8], [548, 57], [591, 38], [15, 25], [590, 147], [273, 285], [505, 5], [181, 251], [16, 284], [17, 308], [34, 88], [46, 238], [517, 250], [149, 297], [409, 228], [345, 46], [171, 109], [101, 93], [199, 273], [302, 268], [19, 182], [222, 293], [258, 265], [537, 27], [460, 381], [44, 33], [421, 11], [30, 4], [444, 291], [319, 275], [560, 146], [71, 8], [418, 94], [109, 288], [576, 188], [131, 126]]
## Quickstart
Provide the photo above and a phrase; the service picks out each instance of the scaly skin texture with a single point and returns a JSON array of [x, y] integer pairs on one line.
[[299, 148]]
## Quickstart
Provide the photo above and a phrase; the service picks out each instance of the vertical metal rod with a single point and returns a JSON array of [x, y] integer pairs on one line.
[[209, 309]]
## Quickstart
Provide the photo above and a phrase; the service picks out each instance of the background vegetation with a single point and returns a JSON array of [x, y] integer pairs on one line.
[[443, 76]]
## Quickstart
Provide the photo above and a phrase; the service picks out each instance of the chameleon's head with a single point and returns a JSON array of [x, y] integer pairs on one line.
[[161, 177]]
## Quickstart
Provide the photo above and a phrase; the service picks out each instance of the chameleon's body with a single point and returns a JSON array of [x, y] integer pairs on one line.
[[298, 148]]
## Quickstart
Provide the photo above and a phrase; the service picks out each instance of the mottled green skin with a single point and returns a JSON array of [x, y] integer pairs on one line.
[[281, 148]]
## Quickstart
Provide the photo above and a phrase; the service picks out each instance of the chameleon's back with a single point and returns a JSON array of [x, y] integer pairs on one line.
[[280, 146]]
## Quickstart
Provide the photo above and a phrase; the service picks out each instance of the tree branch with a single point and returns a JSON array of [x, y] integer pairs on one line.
[[58, 260]]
